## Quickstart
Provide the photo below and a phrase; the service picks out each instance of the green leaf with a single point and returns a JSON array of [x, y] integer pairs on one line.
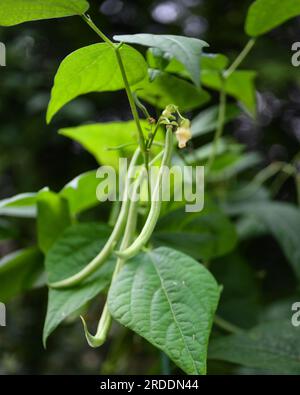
[[186, 50], [169, 299], [81, 192], [214, 61], [203, 235], [77, 246], [166, 89], [98, 138], [22, 205], [282, 220], [273, 346], [208, 61], [240, 85], [230, 164], [265, 15], [53, 218], [14, 12], [94, 69], [19, 272], [207, 120]]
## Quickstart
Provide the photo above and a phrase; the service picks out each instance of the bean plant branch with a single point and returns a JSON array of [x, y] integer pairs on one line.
[[222, 105], [133, 107], [240, 58]]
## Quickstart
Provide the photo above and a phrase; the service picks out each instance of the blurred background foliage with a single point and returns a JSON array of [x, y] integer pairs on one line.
[[33, 155]]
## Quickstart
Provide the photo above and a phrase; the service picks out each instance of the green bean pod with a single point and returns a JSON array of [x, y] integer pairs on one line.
[[155, 209], [111, 242]]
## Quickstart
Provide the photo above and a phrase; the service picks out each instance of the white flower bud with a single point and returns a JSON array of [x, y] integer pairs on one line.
[[183, 135]]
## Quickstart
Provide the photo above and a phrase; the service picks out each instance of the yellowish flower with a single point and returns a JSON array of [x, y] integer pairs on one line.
[[183, 134]]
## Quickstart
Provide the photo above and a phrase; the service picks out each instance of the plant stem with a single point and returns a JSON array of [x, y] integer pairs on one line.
[[133, 106], [240, 58], [222, 109], [89, 21], [227, 326], [220, 126]]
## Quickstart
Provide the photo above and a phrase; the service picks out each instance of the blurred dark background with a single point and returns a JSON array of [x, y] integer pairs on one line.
[[33, 155]]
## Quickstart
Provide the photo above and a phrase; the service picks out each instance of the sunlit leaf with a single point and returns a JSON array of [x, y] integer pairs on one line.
[[13, 12]]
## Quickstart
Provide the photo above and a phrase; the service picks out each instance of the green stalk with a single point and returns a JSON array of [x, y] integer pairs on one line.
[[240, 58], [222, 109], [227, 326], [132, 104], [220, 125]]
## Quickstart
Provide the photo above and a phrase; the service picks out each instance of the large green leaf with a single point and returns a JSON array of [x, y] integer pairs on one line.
[[206, 234], [166, 89], [186, 50], [240, 85], [94, 69], [53, 218], [13, 12], [207, 120], [81, 192], [273, 346], [22, 205], [72, 251], [19, 272], [282, 220], [169, 299], [265, 15], [98, 138]]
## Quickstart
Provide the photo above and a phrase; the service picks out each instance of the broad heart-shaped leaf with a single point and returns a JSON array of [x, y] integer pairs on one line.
[[206, 234], [265, 15], [22, 205], [94, 69], [81, 192], [273, 346], [186, 50], [77, 246], [166, 89], [13, 12], [19, 272], [207, 120], [98, 138], [169, 299], [282, 220], [53, 218], [240, 85]]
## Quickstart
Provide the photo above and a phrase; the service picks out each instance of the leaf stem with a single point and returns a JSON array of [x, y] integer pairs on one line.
[[222, 108], [227, 326], [221, 122], [240, 58], [133, 106], [89, 21]]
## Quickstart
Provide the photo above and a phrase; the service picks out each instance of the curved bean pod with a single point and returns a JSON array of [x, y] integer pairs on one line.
[[154, 213], [111, 242]]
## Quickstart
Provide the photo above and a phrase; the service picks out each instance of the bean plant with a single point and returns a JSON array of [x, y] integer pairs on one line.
[[153, 260]]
